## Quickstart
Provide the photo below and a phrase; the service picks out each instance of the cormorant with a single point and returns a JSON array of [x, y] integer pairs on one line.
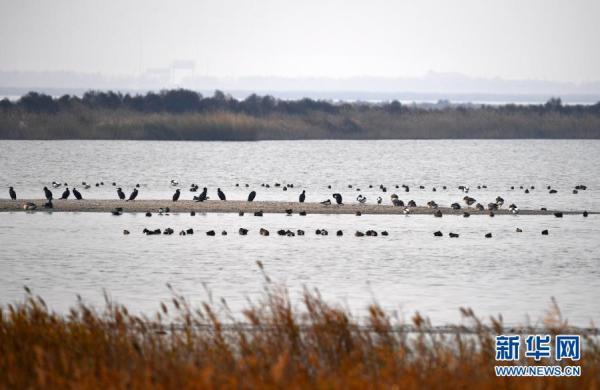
[[338, 198], [12, 193], [133, 195], [221, 194], [302, 197], [176, 195], [251, 196], [120, 193], [47, 193], [76, 194], [202, 197], [66, 194]]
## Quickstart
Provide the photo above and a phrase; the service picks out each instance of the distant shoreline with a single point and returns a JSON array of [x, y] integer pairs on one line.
[[235, 206], [183, 115]]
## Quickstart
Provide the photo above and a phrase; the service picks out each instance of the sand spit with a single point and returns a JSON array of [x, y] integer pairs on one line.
[[235, 206]]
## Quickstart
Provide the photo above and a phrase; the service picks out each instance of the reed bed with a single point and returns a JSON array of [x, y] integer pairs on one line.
[[275, 344]]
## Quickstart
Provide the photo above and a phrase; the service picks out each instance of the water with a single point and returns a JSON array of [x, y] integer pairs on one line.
[[60, 255]]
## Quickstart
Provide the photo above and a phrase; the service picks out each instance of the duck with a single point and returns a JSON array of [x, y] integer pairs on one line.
[[29, 206], [438, 234], [488, 235], [361, 199], [379, 200], [469, 201], [438, 214], [243, 231], [326, 202], [174, 183], [411, 203], [466, 215], [264, 232], [339, 233], [211, 233], [545, 232], [56, 184], [397, 202], [455, 206], [453, 235]]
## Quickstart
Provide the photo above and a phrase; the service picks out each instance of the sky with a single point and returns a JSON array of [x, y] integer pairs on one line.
[[511, 39]]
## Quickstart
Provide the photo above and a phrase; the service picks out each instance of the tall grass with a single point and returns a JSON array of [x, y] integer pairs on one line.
[[274, 345]]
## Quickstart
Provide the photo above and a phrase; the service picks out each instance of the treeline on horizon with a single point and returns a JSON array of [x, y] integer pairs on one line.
[[181, 114]]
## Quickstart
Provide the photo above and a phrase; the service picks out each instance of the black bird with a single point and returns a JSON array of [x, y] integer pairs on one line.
[[76, 194], [202, 197], [47, 193], [120, 193], [302, 197], [251, 196], [221, 194], [176, 195], [12, 193], [65, 195], [133, 195], [338, 198]]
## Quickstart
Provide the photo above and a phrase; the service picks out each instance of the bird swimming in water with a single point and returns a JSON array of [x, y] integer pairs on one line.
[[302, 196], [221, 194], [65, 194], [361, 199], [176, 195], [76, 194], [251, 196], [12, 193], [56, 184], [338, 198], [120, 193], [133, 195], [47, 193], [174, 183]]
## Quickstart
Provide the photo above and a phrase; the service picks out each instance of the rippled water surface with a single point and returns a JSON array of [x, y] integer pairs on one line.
[[516, 274]]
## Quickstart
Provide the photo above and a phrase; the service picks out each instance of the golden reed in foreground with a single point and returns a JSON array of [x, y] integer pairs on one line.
[[277, 346]]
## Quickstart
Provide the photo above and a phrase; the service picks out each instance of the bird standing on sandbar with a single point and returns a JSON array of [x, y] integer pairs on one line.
[[133, 195], [251, 196], [47, 193], [338, 198], [302, 196], [76, 194], [120, 193], [221, 194], [12, 193], [65, 194], [176, 195]]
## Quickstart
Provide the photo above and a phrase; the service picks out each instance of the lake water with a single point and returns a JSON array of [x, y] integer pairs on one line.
[[60, 255]]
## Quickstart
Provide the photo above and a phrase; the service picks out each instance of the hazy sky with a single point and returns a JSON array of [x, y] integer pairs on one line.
[[517, 39]]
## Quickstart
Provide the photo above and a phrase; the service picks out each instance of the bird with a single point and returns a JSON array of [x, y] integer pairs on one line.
[[55, 184], [47, 193], [251, 196], [120, 193], [65, 194], [221, 194], [379, 200], [302, 196], [202, 197], [12, 193], [338, 198], [326, 202], [174, 183], [77, 194], [469, 201], [361, 199], [176, 195], [133, 195]]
